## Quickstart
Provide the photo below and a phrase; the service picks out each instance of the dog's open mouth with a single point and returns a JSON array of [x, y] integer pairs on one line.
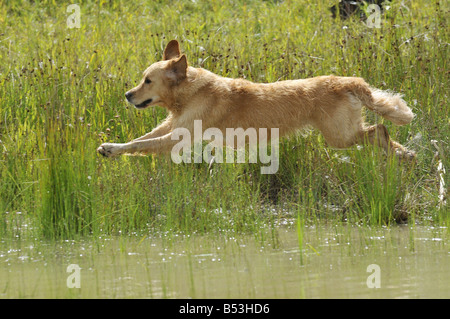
[[144, 104]]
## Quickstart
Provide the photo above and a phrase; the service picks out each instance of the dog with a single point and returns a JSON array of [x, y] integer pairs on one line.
[[331, 104]]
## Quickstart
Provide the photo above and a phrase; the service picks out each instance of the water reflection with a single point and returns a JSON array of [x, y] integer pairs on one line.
[[332, 262]]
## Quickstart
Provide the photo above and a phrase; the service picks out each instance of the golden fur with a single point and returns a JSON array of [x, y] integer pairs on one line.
[[331, 104]]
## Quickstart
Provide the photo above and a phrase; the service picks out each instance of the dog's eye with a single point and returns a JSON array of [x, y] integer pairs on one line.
[[148, 81]]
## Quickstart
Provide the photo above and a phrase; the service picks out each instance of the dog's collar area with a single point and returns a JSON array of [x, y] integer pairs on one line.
[[144, 104]]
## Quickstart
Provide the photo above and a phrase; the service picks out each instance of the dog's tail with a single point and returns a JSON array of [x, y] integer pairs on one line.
[[389, 105]]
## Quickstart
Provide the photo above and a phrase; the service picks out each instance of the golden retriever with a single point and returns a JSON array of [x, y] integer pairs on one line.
[[331, 104]]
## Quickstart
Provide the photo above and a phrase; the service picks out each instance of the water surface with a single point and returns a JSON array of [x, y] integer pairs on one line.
[[332, 262]]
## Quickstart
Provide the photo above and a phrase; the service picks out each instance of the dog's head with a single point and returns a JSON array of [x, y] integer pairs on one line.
[[160, 78]]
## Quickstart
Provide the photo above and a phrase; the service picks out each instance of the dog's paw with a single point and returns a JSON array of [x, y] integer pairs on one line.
[[406, 155], [109, 149]]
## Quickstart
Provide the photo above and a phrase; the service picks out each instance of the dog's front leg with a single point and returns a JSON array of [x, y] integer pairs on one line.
[[162, 129], [155, 145]]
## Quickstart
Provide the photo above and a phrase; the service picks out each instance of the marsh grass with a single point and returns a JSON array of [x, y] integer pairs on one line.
[[61, 95]]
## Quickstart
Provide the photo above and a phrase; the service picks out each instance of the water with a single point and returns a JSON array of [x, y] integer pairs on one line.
[[332, 263]]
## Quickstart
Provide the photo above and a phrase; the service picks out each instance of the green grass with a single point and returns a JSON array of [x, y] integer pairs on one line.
[[62, 95]]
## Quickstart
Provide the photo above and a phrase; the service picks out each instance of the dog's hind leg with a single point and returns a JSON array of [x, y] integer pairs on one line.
[[378, 135], [341, 127]]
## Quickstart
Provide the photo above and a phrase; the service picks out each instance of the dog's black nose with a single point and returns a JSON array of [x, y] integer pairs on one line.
[[128, 95]]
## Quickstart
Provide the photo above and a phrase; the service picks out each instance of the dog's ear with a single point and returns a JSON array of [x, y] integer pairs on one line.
[[176, 71], [172, 50]]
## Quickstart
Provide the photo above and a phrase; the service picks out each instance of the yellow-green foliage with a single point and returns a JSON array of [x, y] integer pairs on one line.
[[62, 94]]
